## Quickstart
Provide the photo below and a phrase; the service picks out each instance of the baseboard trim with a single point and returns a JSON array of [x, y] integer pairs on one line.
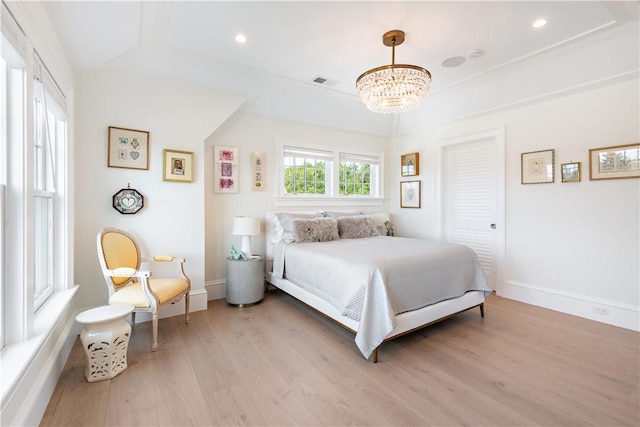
[[216, 289], [603, 311]]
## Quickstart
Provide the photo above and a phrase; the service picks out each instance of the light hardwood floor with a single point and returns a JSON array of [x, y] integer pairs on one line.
[[278, 363]]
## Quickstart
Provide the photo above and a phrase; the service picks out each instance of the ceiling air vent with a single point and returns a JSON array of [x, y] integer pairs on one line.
[[319, 80]]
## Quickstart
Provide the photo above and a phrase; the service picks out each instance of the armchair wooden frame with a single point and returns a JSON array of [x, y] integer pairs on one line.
[[120, 260]]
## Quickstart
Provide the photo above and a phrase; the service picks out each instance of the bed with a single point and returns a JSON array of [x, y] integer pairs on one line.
[[376, 286]]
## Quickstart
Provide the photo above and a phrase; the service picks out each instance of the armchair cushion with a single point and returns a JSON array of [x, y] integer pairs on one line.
[[165, 289]]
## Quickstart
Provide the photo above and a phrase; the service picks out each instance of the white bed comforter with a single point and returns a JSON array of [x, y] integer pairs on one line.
[[373, 279]]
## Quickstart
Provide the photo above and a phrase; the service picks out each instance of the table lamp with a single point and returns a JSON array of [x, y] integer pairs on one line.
[[246, 227]]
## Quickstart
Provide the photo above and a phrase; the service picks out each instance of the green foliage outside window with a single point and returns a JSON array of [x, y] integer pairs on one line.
[[306, 178], [355, 179], [309, 178]]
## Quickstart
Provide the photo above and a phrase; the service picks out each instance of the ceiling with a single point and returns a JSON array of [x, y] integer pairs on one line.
[[290, 43]]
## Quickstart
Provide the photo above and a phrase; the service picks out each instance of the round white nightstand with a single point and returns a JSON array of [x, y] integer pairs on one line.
[[245, 281], [105, 339]]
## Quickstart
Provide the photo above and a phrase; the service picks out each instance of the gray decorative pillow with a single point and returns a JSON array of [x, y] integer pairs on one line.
[[356, 227], [315, 230], [284, 227]]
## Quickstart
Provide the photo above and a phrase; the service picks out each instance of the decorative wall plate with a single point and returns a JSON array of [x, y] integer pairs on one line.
[[128, 201]]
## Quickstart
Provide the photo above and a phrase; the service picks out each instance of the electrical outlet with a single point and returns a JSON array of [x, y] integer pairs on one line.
[[598, 309]]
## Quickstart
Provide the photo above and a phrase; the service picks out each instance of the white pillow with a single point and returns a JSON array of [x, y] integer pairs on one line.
[[336, 214]]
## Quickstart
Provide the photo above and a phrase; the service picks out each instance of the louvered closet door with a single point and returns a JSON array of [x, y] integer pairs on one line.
[[471, 204]]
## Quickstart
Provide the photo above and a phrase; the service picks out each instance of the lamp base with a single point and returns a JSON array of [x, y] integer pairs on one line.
[[246, 246]]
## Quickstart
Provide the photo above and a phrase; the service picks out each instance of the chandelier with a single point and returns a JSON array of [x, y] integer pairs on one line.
[[393, 88]]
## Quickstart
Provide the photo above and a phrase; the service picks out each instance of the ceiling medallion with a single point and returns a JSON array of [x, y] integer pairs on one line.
[[393, 88]]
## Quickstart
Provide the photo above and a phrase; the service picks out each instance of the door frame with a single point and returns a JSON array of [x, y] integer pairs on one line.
[[498, 136]]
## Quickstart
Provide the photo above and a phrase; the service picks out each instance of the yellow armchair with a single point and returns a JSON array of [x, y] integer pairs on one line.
[[120, 261]]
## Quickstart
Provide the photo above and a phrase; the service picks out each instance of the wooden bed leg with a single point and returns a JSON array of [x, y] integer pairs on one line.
[[375, 355], [482, 309]]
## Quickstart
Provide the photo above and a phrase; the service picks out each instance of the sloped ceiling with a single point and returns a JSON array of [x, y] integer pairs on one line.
[[289, 44]]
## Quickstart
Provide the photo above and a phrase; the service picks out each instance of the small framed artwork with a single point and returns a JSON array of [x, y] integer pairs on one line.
[[178, 166], [536, 167], [225, 169], [410, 164], [570, 172], [618, 162], [128, 201], [410, 194], [257, 170], [128, 148]]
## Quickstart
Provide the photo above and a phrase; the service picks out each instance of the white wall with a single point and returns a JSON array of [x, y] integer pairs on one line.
[[258, 134], [178, 116], [569, 246]]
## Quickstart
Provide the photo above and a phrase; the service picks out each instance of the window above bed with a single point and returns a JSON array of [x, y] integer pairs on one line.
[[319, 174]]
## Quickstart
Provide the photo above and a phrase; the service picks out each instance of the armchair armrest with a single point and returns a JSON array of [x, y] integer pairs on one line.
[[168, 258], [162, 258], [127, 272]]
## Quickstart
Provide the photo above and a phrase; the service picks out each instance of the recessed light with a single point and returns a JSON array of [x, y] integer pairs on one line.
[[539, 23], [454, 61], [241, 38]]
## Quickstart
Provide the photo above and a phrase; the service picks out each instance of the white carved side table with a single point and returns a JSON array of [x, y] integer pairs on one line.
[[105, 339]]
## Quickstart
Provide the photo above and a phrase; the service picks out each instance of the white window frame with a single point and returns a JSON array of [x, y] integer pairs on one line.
[[16, 303], [44, 207], [332, 198], [3, 182], [374, 171], [23, 315]]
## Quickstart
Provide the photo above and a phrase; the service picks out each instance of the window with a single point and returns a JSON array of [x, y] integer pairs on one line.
[[34, 209], [358, 175], [44, 191], [309, 172], [306, 171], [12, 211]]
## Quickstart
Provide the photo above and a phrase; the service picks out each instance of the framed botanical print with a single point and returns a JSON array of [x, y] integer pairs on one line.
[[410, 164], [410, 194], [618, 162], [536, 167], [128, 148]]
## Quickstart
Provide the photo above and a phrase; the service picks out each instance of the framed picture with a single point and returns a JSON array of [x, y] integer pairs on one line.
[[622, 161], [177, 166], [570, 172], [257, 171], [410, 194], [128, 148], [410, 164], [128, 201], [225, 169], [536, 167]]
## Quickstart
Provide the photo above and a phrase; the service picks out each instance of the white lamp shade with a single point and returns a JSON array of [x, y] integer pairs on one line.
[[246, 226]]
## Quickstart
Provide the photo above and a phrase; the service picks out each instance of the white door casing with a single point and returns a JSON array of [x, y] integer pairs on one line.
[[470, 197]]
